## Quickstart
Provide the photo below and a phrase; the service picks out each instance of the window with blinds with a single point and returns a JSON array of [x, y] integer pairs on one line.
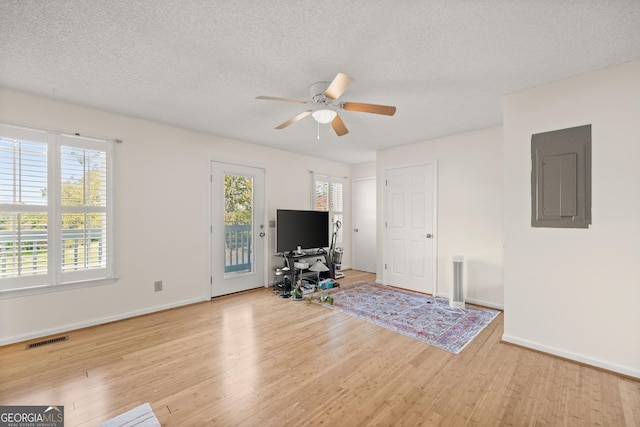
[[24, 235], [328, 196], [55, 210]]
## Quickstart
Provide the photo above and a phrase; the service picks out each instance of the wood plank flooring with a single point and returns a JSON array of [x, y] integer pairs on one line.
[[254, 359]]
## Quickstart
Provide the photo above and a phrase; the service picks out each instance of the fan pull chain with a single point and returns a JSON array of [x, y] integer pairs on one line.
[[318, 135]]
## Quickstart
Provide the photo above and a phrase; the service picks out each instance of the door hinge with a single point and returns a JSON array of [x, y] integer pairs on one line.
[[211, 229], [385, 266], [211, 280], [386, 183], [385, 224], [211, 178]]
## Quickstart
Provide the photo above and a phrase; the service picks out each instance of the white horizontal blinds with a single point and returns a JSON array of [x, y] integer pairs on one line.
[[329, 197], [336, 206], [23, 204], [23, 172], [321, 197], [83, 197], [336, 195]]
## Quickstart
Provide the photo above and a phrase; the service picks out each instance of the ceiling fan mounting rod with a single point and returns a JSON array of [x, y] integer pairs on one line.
[[322, 100], [318, 88]]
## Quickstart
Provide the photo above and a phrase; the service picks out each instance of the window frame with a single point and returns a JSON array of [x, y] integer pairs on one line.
[[329, 180], [55, 279]]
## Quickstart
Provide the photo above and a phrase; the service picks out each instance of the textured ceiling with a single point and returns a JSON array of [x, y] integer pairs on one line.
[[199, 64]]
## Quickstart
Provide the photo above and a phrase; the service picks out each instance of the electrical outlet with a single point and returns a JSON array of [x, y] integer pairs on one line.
[[157, 286]]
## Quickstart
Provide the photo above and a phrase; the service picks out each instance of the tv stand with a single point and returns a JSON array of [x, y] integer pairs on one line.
[[292, 257]]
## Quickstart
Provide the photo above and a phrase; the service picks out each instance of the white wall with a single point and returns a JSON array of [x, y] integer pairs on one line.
[[469, 210], [363, 170], [162, 213], [575, 292]]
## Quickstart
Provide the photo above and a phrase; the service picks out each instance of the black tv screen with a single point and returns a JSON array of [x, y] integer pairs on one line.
[[307, 229]]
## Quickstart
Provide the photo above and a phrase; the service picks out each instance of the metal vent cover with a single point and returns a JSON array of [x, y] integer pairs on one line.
[[47, 342], [458, 281]]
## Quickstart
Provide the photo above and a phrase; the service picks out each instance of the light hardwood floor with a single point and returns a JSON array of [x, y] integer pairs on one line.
[[254, 359]]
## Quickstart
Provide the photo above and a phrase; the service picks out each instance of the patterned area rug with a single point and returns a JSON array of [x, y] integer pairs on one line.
[[412, 314]]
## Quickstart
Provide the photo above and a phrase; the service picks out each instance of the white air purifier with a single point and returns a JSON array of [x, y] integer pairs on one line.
[[456, 295]]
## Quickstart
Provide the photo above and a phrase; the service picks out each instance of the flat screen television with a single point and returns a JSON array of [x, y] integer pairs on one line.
[[306, 229]]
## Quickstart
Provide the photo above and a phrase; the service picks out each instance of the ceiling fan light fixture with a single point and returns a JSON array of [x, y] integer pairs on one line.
[[324, 116]]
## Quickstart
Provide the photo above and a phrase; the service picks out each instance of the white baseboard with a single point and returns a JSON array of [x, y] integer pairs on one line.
[[603, 364], [478, 302], [93, 322], [484, 303]]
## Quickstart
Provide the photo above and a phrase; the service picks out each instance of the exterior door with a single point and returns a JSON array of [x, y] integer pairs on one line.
[[238, 230], [364, 224], [410, 225]]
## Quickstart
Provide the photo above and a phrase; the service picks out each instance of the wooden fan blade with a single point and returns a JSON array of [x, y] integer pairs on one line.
[[294, 119], [275, 98], [387, 110], [338, 126], [339, 84]]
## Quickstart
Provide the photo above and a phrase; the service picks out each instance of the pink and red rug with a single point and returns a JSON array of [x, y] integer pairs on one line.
[[412, 314]]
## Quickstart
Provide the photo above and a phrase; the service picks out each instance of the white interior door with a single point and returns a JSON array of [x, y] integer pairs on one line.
[[238, 228], [410, 225], [364, 224]]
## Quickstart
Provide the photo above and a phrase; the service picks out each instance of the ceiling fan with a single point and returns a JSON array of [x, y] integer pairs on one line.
[[324, 96]]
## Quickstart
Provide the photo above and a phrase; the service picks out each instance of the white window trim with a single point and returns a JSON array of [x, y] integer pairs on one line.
[[55, 280]]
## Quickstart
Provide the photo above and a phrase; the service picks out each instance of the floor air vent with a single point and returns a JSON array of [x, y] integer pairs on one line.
[[46, 342]]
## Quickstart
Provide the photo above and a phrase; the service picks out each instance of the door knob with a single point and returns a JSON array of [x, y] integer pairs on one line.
[[262, 234], [429, 236], [355, 229]]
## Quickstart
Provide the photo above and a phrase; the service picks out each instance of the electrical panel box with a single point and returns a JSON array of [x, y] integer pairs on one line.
[[561, 178]]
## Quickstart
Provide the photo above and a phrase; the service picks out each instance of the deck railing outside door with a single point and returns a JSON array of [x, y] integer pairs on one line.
[[237, 240]]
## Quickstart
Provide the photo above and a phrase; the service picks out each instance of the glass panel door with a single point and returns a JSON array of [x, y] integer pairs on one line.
[[238, 223], [238, 234]]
